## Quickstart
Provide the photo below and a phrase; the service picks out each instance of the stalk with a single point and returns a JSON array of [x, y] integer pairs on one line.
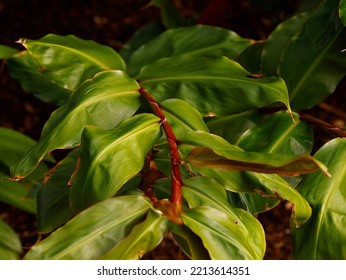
[[176, 183]]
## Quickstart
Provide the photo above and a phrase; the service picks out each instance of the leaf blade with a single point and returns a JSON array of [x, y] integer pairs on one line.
[[100, 174], [103, 101], [226, 87], [68, 60], [94, 231]]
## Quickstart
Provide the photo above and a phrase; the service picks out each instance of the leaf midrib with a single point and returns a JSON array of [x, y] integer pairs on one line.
[[73, 50], [313, 66], [98, 230]]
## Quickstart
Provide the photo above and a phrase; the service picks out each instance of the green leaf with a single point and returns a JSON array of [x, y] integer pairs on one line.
[[251, 57], [23, 68], [94, 231], [16, 194], [214, 152], [226, 237], [278, 40], [279, 134], [109, 158], [142, 36], [214, 86], [143, 238], [189, 242], [275, 185], [7, 52], [182, 116], [53, 205], [342, 11], [233, 126], [10, 245], [203, 191], [13, 146], [323, 236], [194, 41], [103, 101], [313, 63], [170, 16], [68, 61]]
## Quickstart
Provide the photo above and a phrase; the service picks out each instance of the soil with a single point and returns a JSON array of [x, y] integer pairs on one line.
[[112, 23]]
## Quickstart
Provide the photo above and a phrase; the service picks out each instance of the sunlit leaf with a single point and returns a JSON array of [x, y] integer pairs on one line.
[[194, 41], [109, 158], [214, 86], [68, 61], [25, 70], [143, 238], [313, 63], [53, 205], [94, 231], [226, 237], [103, 101], [10, 245], [323, 236]]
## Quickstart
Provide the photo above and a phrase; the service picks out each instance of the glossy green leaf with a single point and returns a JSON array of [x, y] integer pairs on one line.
[[251, 57], [203, 191], [278, 40], [194, 41], [13, 145], [189, 242], [275, 185], [53, 205], [27, 73], [342, 11], [214, 86], [6, 52], [233, 126], [323, 236], [283, 164], [10, 245], [68, 61], [253, 203], [226, 237], [109, 158], [142, 36], [103, 101], [16, 194], [313, 63], [94, 231], [182, 116], [279, 134], [214, 152], [143, 238], [170, 16]]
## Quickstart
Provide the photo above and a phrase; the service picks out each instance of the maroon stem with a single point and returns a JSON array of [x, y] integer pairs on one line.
[[176, 184], [324, 125]]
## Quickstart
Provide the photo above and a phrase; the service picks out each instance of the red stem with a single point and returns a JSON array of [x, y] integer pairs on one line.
[[177, 182]]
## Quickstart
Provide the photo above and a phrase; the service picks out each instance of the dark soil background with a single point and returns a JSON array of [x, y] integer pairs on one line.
[[112, 23]]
